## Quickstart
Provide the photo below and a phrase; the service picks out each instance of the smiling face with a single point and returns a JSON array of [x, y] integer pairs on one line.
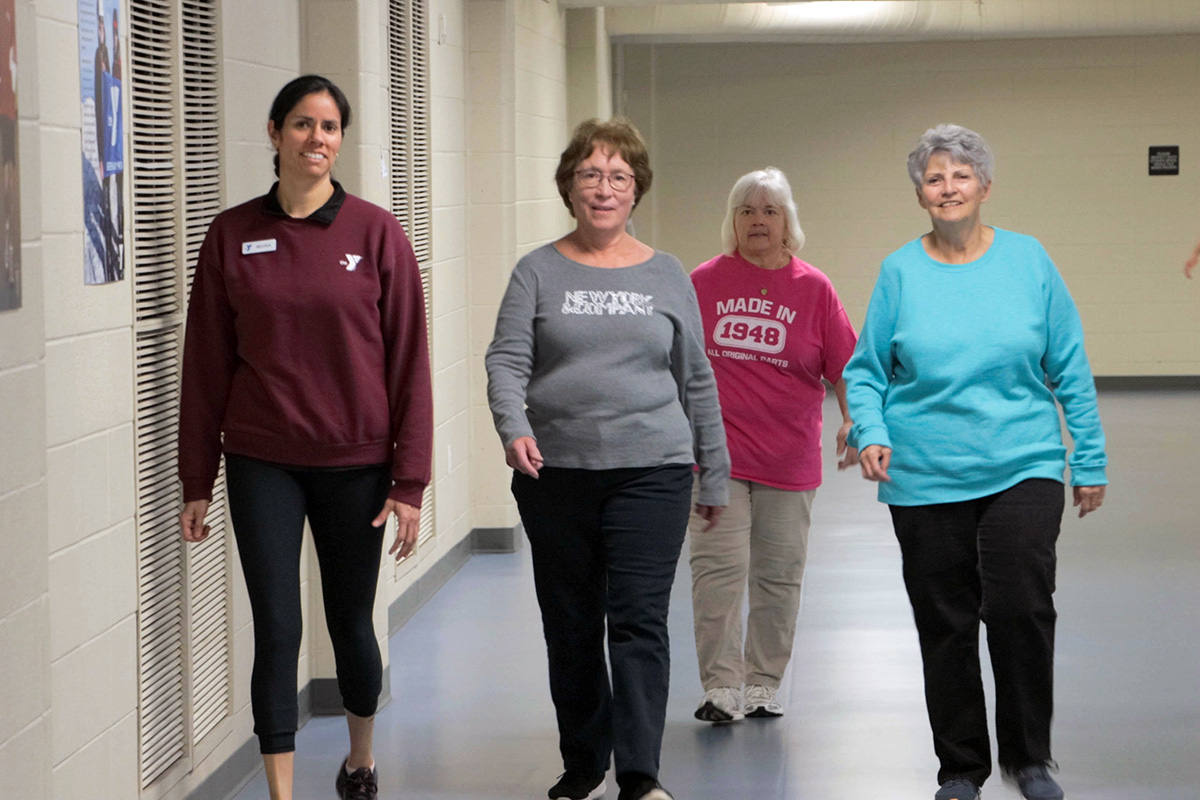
[[601, 207], [759, 226], [309, 139], [951, 192]]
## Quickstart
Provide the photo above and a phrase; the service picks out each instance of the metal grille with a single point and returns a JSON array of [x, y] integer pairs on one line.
[[428, 513], [183, 616], [157, 305], [208, 602], [408, 68], [408, 79]]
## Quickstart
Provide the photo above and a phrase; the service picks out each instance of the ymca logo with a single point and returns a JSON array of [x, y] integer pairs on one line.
[[350, 262]]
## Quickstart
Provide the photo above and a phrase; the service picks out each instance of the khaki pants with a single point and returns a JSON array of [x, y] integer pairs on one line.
[[762, 539]]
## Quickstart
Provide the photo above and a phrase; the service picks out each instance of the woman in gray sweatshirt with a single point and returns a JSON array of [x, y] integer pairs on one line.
[[605, 402]]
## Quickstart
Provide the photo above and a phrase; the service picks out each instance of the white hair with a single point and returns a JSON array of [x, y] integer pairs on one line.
[[963, 145], [773, 185]]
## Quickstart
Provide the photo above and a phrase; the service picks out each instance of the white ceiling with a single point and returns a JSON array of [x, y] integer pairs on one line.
[[889, 20]]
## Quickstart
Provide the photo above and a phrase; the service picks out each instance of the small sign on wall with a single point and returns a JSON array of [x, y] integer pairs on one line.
[[101, 69], [1164, 159]]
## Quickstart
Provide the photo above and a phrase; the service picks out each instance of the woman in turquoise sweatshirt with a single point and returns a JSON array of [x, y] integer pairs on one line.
[[970, 338]]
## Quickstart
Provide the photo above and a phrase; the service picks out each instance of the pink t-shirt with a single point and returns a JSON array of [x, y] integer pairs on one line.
[[771, 336]]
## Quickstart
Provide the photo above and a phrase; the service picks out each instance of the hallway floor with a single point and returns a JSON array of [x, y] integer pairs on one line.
[[471, 717]]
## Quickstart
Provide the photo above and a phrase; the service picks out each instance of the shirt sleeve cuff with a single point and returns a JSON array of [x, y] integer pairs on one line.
[[515, 430], [1089, 476], [714, 487], [197, 489], [407, 492], [862, 438]]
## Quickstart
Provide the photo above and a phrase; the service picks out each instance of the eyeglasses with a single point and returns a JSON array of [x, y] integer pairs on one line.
[[590, 179]]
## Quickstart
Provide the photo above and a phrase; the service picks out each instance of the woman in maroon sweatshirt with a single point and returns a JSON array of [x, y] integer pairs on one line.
[[306, 363]]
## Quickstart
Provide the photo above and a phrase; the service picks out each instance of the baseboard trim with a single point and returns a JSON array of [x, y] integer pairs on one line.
[[232, 776], [1147, 382], [304, 701], [325, 699], [497, 540], [424, 587], [320, 696]]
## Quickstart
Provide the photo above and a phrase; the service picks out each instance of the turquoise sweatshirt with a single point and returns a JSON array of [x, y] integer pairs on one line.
[[957, 369]]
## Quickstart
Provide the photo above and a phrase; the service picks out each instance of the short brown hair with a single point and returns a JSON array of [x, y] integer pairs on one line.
[[617, 134]]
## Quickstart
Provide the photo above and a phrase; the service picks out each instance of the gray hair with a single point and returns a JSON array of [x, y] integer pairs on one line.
[[772, 184], [963, 145]]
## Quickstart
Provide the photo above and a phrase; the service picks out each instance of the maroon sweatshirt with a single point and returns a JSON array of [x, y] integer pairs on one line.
[[306, 345]]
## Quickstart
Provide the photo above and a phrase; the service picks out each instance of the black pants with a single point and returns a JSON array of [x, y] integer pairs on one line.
[[268, 504], [990, 559], [605, 545]]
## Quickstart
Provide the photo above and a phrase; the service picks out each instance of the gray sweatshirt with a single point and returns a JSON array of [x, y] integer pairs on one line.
[[605, 368]]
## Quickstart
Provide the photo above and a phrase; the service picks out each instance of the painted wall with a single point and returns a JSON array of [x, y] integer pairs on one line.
[[88, 455], [517, 106], [26, 728], [1070, 122], [541, 117], [451, 302]]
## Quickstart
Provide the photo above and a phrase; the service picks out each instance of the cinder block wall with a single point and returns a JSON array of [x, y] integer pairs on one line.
[[25, 649], [88, 426], [517, 110]]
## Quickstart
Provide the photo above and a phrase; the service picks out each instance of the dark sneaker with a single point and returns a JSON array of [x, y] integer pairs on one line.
[[576, 786], [1035, 782], [647, 789], [362, 784], [957, 789]]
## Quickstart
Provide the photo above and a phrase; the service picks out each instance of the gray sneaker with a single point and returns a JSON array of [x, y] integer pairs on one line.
[[1035, 782], [957, 789], [720, 705], [761, 702]]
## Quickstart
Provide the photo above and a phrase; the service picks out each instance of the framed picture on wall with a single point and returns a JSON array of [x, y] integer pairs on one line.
[[102, 94], [10, 185]]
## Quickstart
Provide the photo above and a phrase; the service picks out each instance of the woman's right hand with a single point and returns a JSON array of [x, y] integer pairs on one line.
[[523, 455], [710, 514], [874, 460], [191, 521]]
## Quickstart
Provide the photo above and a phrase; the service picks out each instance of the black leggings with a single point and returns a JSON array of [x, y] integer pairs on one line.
[[268, 504]]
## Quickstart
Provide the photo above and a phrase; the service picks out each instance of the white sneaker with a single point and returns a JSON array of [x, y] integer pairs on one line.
[[723, 704], [760, 702]]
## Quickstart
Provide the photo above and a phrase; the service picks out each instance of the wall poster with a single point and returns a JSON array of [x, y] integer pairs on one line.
[[102, 94], [10, 186]]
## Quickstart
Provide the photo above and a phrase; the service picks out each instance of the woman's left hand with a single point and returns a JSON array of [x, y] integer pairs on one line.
[[847, 455], [1088, 498], [408, 524]]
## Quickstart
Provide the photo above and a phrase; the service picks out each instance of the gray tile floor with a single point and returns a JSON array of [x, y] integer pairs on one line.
[[471, 717]]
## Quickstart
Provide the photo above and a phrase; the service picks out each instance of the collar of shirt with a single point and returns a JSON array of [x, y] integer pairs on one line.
[[325, 215]]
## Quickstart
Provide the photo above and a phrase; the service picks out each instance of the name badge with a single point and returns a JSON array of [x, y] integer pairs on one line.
[[261, 246]]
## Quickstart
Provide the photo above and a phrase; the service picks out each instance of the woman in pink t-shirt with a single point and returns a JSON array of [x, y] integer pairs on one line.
[[773, 328]]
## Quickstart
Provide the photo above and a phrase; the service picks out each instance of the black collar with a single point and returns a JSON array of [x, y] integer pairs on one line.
[[325, 215]]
